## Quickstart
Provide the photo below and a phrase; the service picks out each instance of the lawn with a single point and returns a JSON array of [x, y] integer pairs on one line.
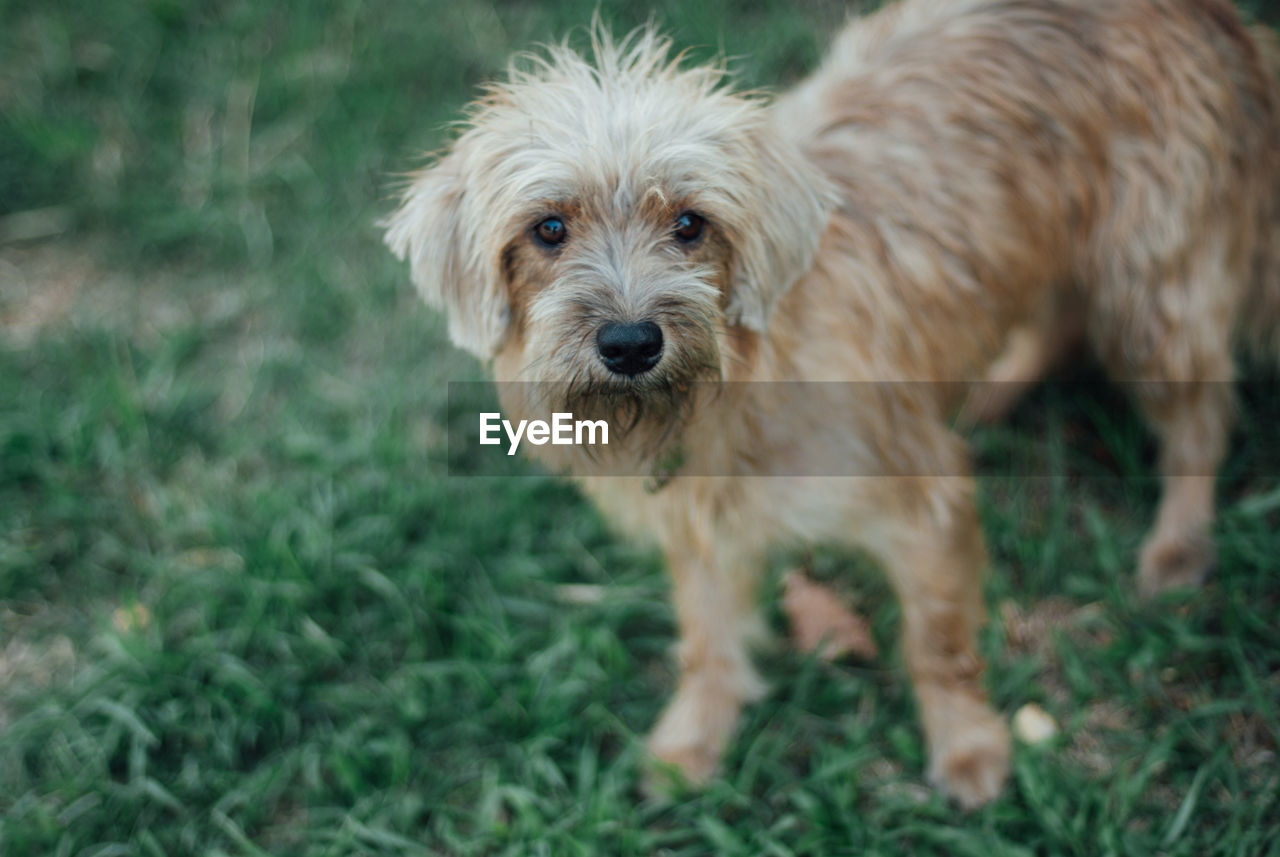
[[244, 610]]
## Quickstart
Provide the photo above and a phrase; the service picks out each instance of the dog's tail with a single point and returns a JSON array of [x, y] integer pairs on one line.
[[1261, 316]]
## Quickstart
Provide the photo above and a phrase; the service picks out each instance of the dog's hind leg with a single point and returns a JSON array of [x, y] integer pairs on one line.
[[1169, 346], [1192, 420]]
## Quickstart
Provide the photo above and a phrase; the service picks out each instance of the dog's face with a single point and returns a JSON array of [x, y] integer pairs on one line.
[[605, 225]]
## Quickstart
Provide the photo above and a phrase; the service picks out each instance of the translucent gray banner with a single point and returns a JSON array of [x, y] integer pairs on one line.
[[813, 429]]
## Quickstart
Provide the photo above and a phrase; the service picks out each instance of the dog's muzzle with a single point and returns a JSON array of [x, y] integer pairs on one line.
[[629, 348]]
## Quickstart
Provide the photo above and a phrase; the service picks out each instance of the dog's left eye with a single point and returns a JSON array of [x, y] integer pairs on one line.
[[551, 231], [689, 227]]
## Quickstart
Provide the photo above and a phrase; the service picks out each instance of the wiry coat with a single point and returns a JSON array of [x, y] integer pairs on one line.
[[958, 179]]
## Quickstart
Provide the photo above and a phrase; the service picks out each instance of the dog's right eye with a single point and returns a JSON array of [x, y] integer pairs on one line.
[[551, 231], [689, 227]]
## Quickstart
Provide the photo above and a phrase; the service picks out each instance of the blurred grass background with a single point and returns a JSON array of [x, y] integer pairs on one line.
[[242, 612]]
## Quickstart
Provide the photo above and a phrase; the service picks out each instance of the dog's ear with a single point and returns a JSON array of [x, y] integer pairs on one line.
[[436, 230], [788, 203]]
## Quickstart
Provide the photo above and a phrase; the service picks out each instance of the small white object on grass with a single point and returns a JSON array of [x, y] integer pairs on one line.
[[581, 593], [1033, 725]]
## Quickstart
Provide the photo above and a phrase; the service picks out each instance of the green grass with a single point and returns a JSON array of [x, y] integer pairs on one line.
[[243, 611]]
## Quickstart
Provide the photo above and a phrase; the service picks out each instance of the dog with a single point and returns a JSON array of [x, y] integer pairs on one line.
[[961, 190]]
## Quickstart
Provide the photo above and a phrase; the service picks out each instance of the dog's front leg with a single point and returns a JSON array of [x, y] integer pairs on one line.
[[935, 563], [714, 589]]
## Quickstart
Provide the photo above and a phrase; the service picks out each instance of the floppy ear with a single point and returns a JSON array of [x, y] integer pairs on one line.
[[437, 229], [788, 205]]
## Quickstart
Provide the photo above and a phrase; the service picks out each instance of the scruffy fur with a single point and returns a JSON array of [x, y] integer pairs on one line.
[[964, 188]]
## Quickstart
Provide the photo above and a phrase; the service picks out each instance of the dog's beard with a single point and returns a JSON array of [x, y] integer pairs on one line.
[[646, 413], [645, 417]]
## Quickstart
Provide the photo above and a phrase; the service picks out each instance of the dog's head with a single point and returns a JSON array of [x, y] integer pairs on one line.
[[605, 223]]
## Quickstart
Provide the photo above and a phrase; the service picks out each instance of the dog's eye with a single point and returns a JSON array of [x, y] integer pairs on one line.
[[689, 227], [551, 231]]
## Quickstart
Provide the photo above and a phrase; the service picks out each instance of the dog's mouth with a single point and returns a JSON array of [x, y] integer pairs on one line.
[[628, 400], [645, 414], [643, 411]]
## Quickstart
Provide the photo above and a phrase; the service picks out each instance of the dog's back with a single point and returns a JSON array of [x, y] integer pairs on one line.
[[1111, 150]]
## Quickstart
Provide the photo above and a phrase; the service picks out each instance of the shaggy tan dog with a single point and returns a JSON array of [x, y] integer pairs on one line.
[[636, 238]]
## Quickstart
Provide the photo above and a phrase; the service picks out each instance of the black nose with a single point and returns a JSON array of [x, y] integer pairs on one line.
[[630, 348]]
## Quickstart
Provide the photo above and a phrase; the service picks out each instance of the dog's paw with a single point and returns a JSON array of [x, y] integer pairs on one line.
[[674, 770], [686, 745], [970, 759], [1170, 562]]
